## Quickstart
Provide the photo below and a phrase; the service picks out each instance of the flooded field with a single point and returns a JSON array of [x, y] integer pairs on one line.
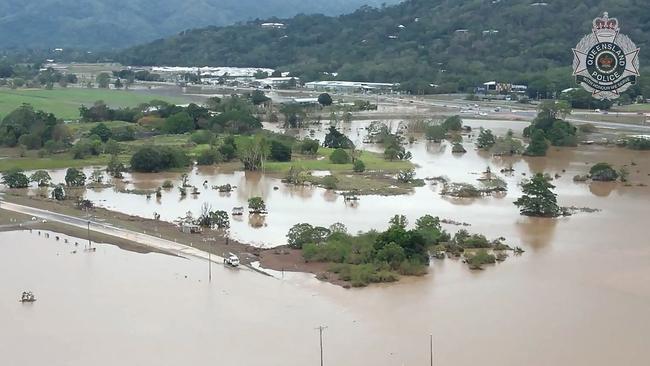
[[289, 205], [578, 296]]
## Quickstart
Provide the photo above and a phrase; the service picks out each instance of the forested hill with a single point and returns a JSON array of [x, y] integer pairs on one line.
[[454, 43], [119, 23]]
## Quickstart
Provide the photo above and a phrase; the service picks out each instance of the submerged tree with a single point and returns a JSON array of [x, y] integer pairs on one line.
[[41, 177], [256, 205], [75, 178], [485, 139], [538, 199], [15, 179]]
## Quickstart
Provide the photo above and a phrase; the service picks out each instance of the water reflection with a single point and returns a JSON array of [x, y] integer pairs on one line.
[[535, 232], [602, 189]]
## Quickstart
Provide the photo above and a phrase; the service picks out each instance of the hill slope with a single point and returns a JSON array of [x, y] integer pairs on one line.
[[421, 41], [121, 23]]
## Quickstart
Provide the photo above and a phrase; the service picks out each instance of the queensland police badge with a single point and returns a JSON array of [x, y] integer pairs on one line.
[[606, 62]]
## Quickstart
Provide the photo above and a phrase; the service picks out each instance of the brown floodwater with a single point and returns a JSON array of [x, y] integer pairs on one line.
[[579, 295]]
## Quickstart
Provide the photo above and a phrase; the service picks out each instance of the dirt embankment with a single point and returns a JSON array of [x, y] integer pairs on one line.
[[211, 241]]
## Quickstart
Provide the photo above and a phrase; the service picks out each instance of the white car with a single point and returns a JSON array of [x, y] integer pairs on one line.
[[231, 260]]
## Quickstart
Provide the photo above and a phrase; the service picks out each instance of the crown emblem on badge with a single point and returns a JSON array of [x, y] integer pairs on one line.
[[605, 24]]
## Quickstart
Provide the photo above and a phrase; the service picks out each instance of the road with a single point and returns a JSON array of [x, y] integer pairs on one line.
[[164, 245]]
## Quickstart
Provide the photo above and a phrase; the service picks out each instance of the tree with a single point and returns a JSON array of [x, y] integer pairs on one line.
[[150, 159], [280, 151], [325, 99], [58, 193], [427, 222], [399, 221], [309, 146], [538, 144], [301, 234], [335, 139], [75, 178], [603, 172], [256, 205], [15, 178], [294, 115], [220, 219], [228, 148], [102, 131], [359, 166], [41, 177], [253, 152], [391, 153], [339, 156], [118, 84], [485, 139], [97, 176], [453, 123], [103, 80], [31, 128], [258, 97], [391, 253], [178, 123], [435, 133], [538, 198], [406, 176]]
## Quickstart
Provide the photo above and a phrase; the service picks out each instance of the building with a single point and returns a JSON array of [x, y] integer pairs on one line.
[[270, 83], [495, 87], [190, 228], [351, 86], [273, 25]]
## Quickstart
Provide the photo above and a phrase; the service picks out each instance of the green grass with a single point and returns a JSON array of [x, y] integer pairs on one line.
[[633, 108], [60, 161], [372, 160], [65, 102]]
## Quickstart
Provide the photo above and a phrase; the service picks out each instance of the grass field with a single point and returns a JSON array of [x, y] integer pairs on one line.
[[633, 108], [65, 102], [59, 161], [373, 161]]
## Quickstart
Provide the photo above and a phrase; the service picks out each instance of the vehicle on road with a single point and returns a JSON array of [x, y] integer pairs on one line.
[[231, 260]]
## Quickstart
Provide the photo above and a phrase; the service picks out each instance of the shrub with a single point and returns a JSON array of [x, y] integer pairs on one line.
[[603, 172], [330, 182], [280, 151], [202, 137], [154, 159], [406, 176], [340, 156], [309, 146], [359, 166], [209, 157]]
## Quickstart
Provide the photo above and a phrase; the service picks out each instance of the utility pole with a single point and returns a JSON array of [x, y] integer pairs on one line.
[[431, 347], [89, 243], [320, 332], [210, 267]]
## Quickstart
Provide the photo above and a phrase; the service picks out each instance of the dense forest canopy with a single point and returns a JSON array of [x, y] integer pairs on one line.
[[452, 43], [120, 23]]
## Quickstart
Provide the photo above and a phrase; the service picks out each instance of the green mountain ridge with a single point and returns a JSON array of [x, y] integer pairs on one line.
[[451, 43], [97, 24]]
